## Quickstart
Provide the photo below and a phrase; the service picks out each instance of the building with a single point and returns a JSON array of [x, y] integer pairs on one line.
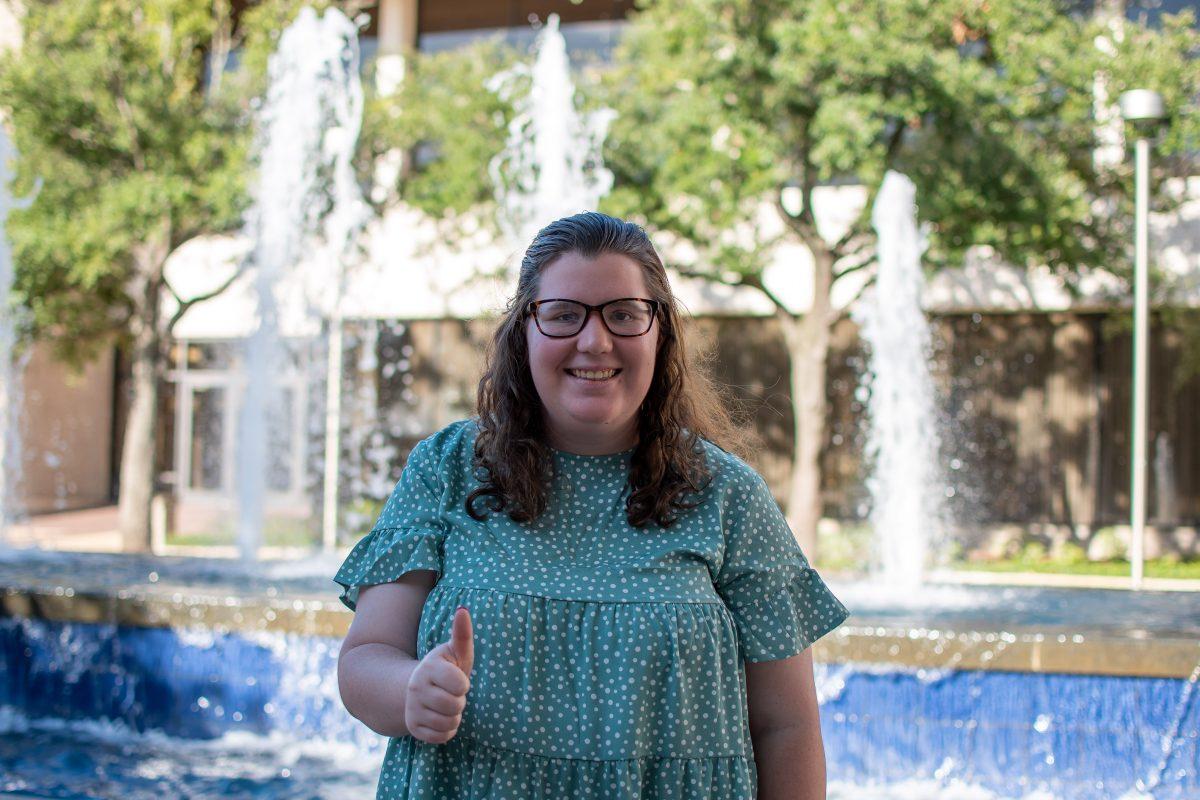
[[1056, 423]]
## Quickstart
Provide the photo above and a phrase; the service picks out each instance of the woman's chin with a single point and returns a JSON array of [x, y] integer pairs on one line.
[[590, 420], [603, 417]]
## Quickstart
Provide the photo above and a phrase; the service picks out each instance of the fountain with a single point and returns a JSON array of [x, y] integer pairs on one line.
[[10, 370], [198, 677], [551, 165], [309, 125], [902, 438]]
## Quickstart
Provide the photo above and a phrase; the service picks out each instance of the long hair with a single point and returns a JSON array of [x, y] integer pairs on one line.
[[512, 458]]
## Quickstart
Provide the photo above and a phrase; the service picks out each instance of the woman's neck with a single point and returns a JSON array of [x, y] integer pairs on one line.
[[594, 443]]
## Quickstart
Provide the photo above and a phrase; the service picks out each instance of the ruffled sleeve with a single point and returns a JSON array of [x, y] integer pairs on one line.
[[409, 534], [779, 603]]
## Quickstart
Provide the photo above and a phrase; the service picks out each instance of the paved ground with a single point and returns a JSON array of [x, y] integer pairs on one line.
[[94, 530], [942, 603], [90, 530]]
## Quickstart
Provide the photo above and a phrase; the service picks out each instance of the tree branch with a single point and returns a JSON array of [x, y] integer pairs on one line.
[[125, 111], [844, 311], [807, 181], [803, 227], [184, 305], [171, 289], [866, 262], [222, 44], [752, 280], [755, 281], [862, 224], [857, 228]]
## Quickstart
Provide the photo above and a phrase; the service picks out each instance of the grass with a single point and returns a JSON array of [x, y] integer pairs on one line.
[[277, 533], [1156, 568], [845, 551]]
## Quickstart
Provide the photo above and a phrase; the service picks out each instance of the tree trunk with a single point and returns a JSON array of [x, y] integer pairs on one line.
[[138, 447], [807, 341]]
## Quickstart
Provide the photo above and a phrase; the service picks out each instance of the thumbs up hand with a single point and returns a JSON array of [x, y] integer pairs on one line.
[[438, 686]]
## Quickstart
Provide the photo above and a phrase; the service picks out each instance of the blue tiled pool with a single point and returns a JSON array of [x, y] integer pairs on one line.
[[100, 710], [56, 759]]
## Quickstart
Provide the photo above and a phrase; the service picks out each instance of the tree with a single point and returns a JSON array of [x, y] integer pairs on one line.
[[132, 151], [446, 126], [988, 107]]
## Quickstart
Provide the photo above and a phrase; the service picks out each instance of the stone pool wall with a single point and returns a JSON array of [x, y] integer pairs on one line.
[[1074, 694]]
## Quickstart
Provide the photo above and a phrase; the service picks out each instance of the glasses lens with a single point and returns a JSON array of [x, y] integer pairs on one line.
[[560, 317], [629, 317]]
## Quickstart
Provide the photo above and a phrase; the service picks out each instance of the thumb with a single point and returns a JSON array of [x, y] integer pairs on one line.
[[462, 640]]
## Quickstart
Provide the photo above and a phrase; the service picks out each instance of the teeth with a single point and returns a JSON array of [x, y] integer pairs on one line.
[[593, 375]]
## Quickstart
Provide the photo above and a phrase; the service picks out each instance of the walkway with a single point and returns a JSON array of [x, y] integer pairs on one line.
[[89, 530]]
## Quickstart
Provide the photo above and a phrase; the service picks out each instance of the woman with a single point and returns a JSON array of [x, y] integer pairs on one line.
[[579, 594]]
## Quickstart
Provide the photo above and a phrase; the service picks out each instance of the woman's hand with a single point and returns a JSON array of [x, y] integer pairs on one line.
[[437, 688]]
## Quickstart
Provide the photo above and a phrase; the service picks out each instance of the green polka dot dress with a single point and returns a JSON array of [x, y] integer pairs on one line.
[[608, 659]]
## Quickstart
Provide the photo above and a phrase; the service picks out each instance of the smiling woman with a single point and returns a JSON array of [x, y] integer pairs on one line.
[[591, 380], [529, 400], [571, 595]]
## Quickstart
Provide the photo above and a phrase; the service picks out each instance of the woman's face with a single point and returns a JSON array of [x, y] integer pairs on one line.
[[591, 415]]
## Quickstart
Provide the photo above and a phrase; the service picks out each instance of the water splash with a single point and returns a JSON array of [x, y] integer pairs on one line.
[[902, 439], [551, 165], [10, 366], [1171, 740], [309, 126]]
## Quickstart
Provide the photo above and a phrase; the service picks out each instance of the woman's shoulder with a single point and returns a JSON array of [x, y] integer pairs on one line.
[[729, 472], [455, 442]]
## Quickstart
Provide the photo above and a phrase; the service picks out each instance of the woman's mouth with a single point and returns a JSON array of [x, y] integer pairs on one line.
[[596, 375]]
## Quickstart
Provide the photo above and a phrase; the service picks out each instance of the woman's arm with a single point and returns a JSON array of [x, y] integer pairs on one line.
[[785, 728], [379, 652]]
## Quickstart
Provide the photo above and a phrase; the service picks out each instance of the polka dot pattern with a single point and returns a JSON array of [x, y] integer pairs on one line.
[[609, 661]]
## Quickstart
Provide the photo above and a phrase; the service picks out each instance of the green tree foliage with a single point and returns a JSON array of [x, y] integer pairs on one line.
[[448, 125], [133, 121], [989, 107], [122, 147], [133, 139]]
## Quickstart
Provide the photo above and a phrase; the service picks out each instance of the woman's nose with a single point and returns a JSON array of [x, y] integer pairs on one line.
[[594, 338]]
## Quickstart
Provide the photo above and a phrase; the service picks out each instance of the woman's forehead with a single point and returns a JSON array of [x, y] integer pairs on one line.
[[592, 280]]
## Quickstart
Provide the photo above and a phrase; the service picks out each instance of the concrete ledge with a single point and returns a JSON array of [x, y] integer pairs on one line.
[[1044, 650], [305, 616], [1049, 651]]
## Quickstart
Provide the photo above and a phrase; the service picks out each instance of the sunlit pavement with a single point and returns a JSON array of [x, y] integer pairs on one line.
[[89, 530]]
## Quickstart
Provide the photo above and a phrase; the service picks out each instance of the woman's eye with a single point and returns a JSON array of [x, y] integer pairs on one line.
[[565, 316], [621, 316]]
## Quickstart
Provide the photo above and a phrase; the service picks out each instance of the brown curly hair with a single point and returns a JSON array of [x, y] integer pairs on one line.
[[512, 459]]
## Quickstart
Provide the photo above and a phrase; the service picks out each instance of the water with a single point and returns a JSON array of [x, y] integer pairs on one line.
[[551, 165], [1173, 737], [902, 437], [77, 760], [94, 759], [10, 371], [309, 126], [372, 429], [194, 712], [100, 699]]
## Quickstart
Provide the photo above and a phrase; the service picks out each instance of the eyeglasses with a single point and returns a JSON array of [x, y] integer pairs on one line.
[[561, 319]]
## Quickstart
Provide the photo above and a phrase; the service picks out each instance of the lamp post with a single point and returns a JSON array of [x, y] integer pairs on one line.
[[1144, 109]]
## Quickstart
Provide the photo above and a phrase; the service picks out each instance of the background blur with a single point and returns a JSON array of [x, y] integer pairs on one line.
[[251, 253]]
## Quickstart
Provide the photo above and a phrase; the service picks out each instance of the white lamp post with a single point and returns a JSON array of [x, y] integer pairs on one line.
[[1144, 109]]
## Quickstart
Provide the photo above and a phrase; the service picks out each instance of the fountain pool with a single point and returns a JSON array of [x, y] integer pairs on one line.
[[143, 677], [200, 678]]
